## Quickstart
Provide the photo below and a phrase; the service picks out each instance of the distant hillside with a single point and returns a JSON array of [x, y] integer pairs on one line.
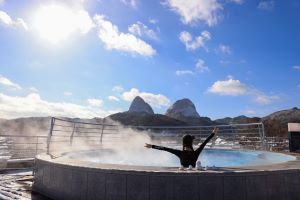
[[276, 123], [25, 126], [33, 125], [138, 119], [238, 120], [200, 121]]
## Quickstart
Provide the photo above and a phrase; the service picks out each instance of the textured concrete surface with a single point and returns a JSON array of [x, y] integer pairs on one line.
[[16, 184], [65, 179]]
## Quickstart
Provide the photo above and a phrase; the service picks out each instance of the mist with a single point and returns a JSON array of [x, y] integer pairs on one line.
[[125, 146]]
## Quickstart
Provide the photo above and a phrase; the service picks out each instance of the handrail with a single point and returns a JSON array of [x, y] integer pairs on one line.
[[82, 129], [183, 127], [79, 122]]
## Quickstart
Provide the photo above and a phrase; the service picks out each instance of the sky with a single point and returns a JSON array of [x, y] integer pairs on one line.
[[90, 58]]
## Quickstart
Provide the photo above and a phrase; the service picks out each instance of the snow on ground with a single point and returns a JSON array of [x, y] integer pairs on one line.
[[17, 184]]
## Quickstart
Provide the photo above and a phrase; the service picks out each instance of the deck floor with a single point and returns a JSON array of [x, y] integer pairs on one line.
[[17, 184]]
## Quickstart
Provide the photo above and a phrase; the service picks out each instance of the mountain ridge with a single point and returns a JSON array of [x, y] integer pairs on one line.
[[275, 123]]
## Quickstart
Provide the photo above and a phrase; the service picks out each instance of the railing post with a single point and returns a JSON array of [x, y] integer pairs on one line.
[[72, 135], [36, 145], [50, 134], [263, 136], [101, 136]]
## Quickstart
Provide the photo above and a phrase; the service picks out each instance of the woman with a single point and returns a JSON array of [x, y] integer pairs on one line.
[[188, 156]]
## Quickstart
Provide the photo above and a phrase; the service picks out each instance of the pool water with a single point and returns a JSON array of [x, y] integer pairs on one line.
[[209, 157], [233, 158]]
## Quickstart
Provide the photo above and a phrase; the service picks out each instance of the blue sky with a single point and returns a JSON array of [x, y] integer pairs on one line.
[[84, 58]]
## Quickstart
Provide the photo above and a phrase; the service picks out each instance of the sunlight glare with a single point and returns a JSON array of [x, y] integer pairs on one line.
[[55, 23]]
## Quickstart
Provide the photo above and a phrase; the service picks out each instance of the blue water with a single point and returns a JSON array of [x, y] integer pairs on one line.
[[233, 158], [209, 157]]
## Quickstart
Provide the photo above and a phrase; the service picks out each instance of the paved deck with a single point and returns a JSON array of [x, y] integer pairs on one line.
[[17, 184]]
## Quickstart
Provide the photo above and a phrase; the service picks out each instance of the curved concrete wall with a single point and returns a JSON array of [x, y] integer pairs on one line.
[[70, 181]]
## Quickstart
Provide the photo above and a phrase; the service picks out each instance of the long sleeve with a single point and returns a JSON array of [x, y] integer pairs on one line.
[[201, 147], [173, 151]]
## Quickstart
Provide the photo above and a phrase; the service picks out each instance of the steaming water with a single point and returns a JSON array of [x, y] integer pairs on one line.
[[127, 147], [209, 157]]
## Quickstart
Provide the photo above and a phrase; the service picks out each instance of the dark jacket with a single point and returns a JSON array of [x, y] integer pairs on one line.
[[186, 157]]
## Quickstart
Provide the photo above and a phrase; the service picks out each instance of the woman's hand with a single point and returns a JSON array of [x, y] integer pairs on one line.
[[215, 131], [148, 145]]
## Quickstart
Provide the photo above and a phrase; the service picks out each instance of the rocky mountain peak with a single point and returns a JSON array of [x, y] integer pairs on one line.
[[183, 108], [139, 105]]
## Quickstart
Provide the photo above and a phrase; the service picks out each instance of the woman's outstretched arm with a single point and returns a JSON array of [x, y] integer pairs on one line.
[[213, 133], [173, 151]]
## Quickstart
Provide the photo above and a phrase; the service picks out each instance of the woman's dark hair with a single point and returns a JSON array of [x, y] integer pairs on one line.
[[187, 140]]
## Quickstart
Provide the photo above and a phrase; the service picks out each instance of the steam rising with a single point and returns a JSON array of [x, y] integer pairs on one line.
[[124, 147]]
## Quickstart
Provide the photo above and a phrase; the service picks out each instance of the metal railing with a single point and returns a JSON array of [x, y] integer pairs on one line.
[[22, 147], [250, 136], [66, 134], [234, 133]]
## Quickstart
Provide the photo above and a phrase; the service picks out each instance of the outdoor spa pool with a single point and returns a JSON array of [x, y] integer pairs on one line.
[[209, 157], [95, 175]]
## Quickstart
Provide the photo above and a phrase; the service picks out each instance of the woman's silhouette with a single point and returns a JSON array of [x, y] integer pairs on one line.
[[188, 156]]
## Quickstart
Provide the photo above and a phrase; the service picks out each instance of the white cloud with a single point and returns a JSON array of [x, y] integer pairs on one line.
[[67, 93], [224, 62], [237, 1], [141, 29], [192, 11], [33, 106], [132, 3], [266, 5], [251, 112], [76, 1], [184, 72], [8, 21], [229, 87], [201, 67], [153, 21], [232, 87], [85, 22], [192, 43], [33, 89], [296, 67], [95, 102], [261, 97], [21, 23], [224, 49], [5, 18], [156, 100], [8, 83], [113, 98], [264, 99], [110, 35], [56, 22], [117, 88]]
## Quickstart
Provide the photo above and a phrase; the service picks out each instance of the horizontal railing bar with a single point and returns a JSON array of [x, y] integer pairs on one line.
[[157, 127], [27, 143], [211, 126], [78, 122], [63, 125], [40, 136]]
